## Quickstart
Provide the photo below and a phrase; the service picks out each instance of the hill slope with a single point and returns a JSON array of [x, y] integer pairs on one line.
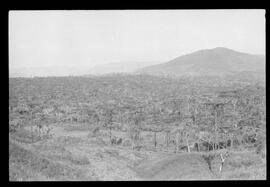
[[177, 167], [217, 61]]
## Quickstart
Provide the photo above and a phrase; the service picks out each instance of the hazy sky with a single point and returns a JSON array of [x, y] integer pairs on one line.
[[72, 38]]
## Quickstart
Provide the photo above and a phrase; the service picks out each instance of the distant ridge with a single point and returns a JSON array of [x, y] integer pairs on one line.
[[110, 68], [217, 61]]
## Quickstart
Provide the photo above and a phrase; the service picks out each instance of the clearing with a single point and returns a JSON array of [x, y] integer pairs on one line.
[[74, 154]]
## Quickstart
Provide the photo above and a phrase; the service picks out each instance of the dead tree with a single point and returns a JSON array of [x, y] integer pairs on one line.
[[223, 157], [197, 146], [187, 142], [32, 133], [155, 139], [217, 109], [177, 140], [167, 138]]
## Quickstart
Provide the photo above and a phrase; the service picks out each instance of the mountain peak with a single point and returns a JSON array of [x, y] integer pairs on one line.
[[215, 61], [220, 49]]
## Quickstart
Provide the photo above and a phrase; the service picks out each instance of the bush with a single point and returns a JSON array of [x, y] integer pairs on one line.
[[99, 141], [14, 125], [25, 136], [68, 140], [261, 149], [94, 133], [79, 160], [127, 143], [209, 158]]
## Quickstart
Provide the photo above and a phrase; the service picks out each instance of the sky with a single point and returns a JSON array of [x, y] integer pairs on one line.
[[94, 37]]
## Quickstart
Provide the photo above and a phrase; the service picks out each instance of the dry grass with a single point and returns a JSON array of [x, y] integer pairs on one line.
[[24, 136], [179, 167], [72, 155], [67, 156], [26, 165], [68, 140], [244, 165], [78, 127], [194, 166]]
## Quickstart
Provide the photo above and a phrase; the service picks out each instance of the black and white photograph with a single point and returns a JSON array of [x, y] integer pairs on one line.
[[137, 95]]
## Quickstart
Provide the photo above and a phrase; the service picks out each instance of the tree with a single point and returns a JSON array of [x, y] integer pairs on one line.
[[155, 139], [167, 137], [93, 116], [108, 114], [136, 125]]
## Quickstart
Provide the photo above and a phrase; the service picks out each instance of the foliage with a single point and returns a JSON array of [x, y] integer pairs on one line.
[[223, 109]]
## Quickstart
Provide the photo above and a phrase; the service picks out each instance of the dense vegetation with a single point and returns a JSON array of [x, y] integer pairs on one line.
[[200, 113]]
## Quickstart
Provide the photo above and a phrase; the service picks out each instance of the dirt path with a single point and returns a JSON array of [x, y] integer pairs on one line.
[[176, 167], [58, 131]]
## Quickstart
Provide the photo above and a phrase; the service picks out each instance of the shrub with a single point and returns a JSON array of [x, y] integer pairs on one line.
[[99, 141], [94, 133], [79, 160], [209, 158], [127, 143], [14, 125], [68, 140], [261, 149]]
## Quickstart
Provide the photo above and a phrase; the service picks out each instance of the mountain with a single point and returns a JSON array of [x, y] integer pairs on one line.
[[209, 62]]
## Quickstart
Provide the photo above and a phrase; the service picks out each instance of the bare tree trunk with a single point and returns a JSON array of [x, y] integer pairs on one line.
[[215, 141], [133, 144], [188, 148], [223, 158], [32, 133], [220, 168], [111, 135], [155, 139], [177, 141], [139, 137], [167, 139], [38, 132]]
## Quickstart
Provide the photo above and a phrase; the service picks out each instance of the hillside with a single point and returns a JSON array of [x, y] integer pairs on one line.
[[217, 61]]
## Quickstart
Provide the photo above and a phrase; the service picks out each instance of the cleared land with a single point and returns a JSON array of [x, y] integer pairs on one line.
[[75, 155]]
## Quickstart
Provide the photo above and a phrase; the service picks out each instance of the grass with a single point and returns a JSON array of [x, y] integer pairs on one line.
[[244, 165], [78, 127], [65, 155], [63, 158], [68, 140], [178, 167], [195, 166], [24, 136], [26, 165]]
